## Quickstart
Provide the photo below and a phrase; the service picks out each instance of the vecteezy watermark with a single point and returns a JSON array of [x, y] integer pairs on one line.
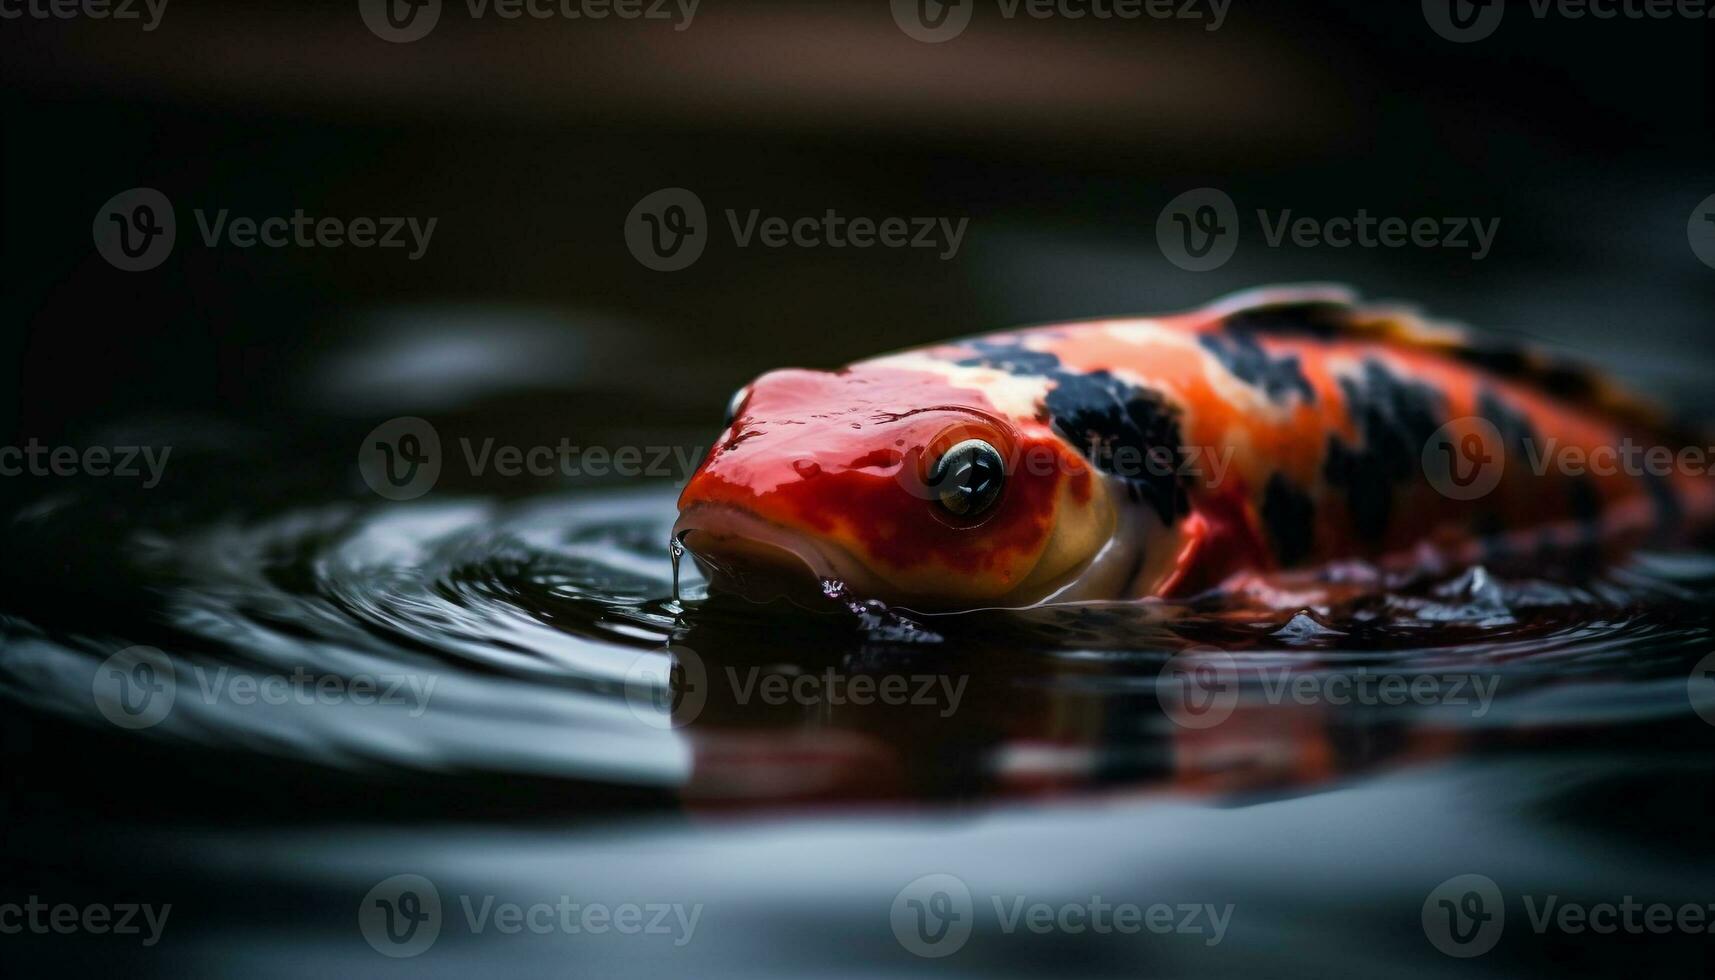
[[1700, 230], [139, 686], [1198, 687], [934, 915], [1465, 915], [1199, 231], [136, 230], [147, 11], [1466, 458], [1201, 687], [835, 689], [403, 21], [146, 463], [96, 919], [1628, 457], [1700, 688], [668, 229], [409, 691], [402, 916], [1364, 230], [1464, 21], [303, 231], [136, 687], [667, 688], [934, 21], [401, 459]]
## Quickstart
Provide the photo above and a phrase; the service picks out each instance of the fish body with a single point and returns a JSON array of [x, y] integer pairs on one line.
[[1162, 456]]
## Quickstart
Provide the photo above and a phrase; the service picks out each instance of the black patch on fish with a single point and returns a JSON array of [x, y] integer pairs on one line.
[[1120, 428], [1506, 360], [1011, 357], [1394, 419], [1570, 381], [1287, 514], [1125, 430], [1559, 377], [1319, 320], [1240, 353], [1514, 426], [1567, 382]]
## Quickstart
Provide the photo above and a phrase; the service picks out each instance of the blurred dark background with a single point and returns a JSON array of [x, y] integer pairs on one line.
[[1060, 140], [528, 320]]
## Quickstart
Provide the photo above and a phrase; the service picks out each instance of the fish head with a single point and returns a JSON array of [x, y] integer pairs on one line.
[[895, 484]]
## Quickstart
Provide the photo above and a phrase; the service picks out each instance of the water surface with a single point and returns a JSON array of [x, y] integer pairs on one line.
[[502, 695]]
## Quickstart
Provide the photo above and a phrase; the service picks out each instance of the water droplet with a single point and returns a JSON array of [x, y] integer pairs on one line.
[[675, 550]]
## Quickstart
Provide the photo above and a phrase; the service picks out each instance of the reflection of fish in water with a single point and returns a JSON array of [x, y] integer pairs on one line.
[[1068, 728], [1163, 456]]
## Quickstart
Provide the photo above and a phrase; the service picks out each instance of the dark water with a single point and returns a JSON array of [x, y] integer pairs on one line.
[[553, 724], [501, 695]]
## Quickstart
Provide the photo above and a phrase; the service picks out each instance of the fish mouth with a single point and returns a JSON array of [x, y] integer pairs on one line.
[[744, 553]]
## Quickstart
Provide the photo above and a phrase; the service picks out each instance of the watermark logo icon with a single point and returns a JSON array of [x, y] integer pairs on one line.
[[135, 230], [1464, 915], [401, 916], [668, 688], [400, 459], [1199, 687], [1465, 458], [1701, 231], [933, 21], [136, 687], [1700, 687], [1199, 230], [400, 21], [1464, 21], [667, 230], [932, 917]]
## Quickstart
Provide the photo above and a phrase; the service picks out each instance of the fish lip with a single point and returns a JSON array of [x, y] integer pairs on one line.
[[712, 531]]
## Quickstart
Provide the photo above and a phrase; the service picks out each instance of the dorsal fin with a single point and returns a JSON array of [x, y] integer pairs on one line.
[[1332, 313]]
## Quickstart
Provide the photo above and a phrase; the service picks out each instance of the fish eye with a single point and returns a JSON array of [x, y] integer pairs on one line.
[[734, 404], [968, 477]]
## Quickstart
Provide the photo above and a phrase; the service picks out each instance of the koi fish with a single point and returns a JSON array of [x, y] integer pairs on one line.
[[1284, 428]]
